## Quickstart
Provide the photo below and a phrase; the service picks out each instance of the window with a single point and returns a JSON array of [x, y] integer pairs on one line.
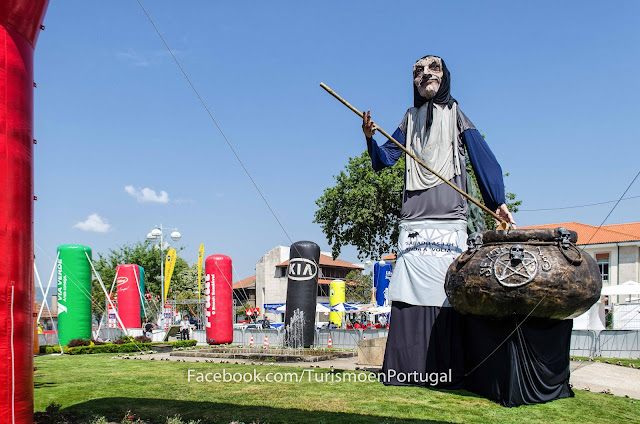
[[330, 272], [603, 265], [323, 290]]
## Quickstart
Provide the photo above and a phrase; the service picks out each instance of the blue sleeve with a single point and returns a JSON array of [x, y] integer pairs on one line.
[[487, 169], [387, 154]]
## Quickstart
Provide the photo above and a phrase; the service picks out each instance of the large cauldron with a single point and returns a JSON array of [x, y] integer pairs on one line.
[[520, 271]]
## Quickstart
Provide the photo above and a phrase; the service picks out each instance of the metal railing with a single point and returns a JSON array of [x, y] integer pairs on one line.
[[606, 343]]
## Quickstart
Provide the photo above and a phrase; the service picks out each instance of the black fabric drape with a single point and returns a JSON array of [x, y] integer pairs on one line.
[[531, 367], [423, 341]]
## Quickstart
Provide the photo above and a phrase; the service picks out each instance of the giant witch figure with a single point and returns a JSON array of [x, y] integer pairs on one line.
[[425, 332]]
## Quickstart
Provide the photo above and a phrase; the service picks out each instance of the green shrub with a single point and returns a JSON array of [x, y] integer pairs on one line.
[[182, 343], [78, 342], [115, 347], [46, 349], [125, 347], [110, 348]]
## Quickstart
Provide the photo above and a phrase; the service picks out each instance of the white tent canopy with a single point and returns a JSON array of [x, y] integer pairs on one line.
[[380, 310], [629, 287], [319, 308], [345, 307]]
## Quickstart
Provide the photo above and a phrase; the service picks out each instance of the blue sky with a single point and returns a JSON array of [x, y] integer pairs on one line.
[[552, 85]]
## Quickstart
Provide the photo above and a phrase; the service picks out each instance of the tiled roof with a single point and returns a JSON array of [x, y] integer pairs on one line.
[[329, 261], [45, 312], [391, 257], [632, 228], [588, 234], [247, 283]]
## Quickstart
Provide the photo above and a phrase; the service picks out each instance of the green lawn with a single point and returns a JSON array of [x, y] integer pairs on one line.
[[88, 385]]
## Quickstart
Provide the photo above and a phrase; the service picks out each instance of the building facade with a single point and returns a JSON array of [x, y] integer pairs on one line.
[[615, 247], [269, 285]]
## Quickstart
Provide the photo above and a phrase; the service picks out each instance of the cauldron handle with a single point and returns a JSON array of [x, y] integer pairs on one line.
[[572, 261], [563, 237], [474, 242]]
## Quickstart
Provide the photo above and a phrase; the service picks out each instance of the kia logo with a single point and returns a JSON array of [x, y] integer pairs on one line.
[[302, 269]]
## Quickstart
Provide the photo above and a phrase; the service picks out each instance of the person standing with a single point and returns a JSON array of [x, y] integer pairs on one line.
[[148, 328], [185, 327]]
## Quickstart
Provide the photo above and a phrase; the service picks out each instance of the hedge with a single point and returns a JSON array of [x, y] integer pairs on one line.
[[114, 348]]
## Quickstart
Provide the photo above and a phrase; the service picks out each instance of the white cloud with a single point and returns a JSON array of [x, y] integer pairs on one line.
[[94, 223], [134, 58], [147, 57], [144, 195]]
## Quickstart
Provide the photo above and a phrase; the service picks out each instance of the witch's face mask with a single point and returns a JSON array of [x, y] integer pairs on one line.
[[427, 76]]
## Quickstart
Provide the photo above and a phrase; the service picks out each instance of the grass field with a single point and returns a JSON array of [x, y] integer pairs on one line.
[[89, 385]]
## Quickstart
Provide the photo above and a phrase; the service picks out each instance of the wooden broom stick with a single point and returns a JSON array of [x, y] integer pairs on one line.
[[503, 224]]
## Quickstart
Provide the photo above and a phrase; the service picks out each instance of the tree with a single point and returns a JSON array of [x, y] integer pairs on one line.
[[184, 284], [147, 255], [358, 287], [241, 311], [363, 208]]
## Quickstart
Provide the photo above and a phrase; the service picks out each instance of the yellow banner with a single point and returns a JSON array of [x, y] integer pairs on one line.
[[169, 263], [200, 257]]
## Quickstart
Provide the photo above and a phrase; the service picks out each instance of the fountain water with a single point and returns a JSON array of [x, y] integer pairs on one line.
[[293, 336]]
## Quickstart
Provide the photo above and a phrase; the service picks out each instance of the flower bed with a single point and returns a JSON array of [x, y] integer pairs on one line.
[[113, 347]]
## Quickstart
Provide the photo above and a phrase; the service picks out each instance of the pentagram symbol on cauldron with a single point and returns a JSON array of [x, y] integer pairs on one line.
[[515, 271]]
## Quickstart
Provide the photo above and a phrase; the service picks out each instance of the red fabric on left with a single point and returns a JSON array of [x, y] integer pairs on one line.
[[20, 22], [24, 17], [16, 228]]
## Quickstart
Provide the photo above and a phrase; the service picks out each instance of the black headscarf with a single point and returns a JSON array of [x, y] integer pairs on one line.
[[442, 97]]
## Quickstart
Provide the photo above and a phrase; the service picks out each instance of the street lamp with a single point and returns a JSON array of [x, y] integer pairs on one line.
[[155, 234]]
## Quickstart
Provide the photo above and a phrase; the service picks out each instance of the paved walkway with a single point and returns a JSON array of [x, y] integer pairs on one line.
[[598, 377], [594, 376]]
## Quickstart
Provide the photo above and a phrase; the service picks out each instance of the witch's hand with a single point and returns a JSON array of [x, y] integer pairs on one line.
[[503, 212], [368, 127]]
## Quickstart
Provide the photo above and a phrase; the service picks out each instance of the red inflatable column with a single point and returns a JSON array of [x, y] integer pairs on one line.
[[218, 295], [20, 22], [127, 280]]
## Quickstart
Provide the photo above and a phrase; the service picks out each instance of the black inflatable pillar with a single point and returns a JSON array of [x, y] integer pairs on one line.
[[302, 289]]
